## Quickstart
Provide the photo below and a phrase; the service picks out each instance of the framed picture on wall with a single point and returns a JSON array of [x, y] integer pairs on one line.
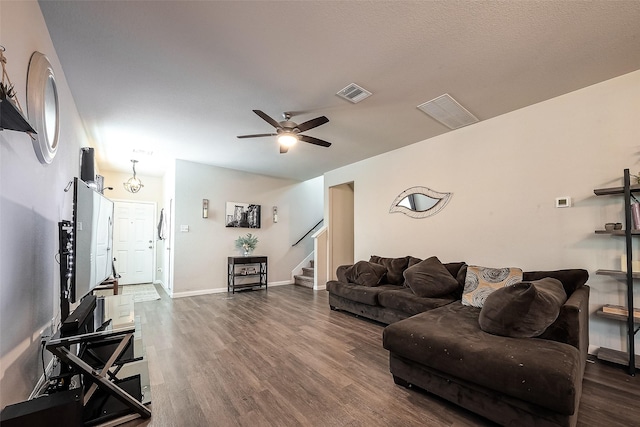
[[244, 215]]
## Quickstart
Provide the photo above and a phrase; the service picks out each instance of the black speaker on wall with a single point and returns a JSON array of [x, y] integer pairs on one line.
[[87, 165]]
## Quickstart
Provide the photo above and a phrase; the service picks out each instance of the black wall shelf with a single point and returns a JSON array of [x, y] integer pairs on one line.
[[629, 358]]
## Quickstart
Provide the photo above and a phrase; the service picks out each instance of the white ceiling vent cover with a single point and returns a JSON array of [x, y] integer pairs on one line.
[[354, 93], [448, 111]]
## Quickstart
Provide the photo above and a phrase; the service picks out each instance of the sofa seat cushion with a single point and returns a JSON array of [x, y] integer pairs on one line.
[[359, 293], [406, 301], [449, 339]]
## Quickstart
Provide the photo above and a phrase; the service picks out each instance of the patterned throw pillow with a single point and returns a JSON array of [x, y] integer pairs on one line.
[[482, 281]]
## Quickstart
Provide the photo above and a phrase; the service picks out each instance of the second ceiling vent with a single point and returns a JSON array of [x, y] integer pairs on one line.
[[354, 93], [448, 111]]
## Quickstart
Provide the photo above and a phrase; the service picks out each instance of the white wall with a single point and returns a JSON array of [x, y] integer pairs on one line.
[[151, 192], [505, 174], [32, 201], [200, 255]]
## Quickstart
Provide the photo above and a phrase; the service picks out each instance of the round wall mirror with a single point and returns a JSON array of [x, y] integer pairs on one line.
[[43, 107]]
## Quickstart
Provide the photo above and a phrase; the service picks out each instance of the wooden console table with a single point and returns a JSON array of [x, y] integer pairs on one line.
[[244, 272]]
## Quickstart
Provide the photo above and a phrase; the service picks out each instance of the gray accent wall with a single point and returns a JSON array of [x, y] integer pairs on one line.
[[32, 201]]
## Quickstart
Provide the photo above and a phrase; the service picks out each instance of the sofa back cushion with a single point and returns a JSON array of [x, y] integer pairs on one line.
[[395, 268], [571, 279], [523, 310], [429, 278], [365, 273], [457, 269]]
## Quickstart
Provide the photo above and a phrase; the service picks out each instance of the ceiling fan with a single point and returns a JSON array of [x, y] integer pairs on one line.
[[289, 132]]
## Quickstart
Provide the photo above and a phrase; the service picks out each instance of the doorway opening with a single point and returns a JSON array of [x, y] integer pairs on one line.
[[341, 226], [134, 241]]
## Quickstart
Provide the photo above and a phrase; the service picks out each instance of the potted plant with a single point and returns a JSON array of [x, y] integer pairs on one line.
[[247, 243]]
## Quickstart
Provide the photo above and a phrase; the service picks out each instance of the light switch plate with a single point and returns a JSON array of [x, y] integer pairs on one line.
[[184, 228]]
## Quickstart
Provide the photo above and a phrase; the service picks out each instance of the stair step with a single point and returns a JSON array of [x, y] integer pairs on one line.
[[305, 281], [308, 271]]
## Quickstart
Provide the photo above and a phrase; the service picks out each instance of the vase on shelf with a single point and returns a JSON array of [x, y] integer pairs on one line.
[[246, 251], [246, 244]]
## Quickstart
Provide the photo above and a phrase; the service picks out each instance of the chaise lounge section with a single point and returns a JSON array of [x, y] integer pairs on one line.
[[517, 359]]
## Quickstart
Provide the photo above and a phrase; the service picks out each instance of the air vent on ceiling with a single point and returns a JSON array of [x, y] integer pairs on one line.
[[143, 152], [448, 111], [354, 93]]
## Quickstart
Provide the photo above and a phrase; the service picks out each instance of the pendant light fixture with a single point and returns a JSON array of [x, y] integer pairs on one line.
[[133, 184]]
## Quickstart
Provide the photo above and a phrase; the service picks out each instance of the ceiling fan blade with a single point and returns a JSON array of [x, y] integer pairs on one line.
[[258, 135], [267, 119], [313, 123], [312, 140], [283, 149]]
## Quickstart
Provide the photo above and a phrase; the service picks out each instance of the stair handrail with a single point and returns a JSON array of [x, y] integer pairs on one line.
[[308, 232]]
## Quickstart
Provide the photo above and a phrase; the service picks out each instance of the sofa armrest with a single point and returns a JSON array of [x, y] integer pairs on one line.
[[341, 273], [572, 325]]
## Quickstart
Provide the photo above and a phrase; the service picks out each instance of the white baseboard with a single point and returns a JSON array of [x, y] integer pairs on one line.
[[200, 292], [161, 283], [284, 282], [219, 290]]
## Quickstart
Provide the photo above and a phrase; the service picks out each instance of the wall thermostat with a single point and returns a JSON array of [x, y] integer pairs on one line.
[[563, 202]]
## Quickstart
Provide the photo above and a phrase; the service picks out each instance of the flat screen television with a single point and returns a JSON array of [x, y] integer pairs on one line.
[[92, 244]]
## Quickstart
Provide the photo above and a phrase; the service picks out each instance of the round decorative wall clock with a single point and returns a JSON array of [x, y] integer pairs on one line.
[[42, 107]]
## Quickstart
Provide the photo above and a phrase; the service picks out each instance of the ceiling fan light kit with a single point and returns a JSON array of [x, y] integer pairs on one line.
[[287, 139], [289, 133]]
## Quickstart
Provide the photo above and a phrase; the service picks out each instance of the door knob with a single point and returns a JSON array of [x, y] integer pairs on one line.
[[150, 247]]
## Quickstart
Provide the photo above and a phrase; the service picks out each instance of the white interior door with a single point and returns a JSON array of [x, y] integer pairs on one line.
[[133, 241]]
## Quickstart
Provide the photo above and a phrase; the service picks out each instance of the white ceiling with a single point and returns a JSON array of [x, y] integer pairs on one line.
[[180, 78]]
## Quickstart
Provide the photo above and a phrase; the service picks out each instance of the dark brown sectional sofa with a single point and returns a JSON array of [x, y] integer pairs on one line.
[[437, 344]]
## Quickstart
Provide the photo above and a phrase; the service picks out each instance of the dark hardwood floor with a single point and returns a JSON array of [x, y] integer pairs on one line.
[[282, 358]]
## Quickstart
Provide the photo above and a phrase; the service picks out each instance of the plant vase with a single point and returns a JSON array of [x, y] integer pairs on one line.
[[246, 244]]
